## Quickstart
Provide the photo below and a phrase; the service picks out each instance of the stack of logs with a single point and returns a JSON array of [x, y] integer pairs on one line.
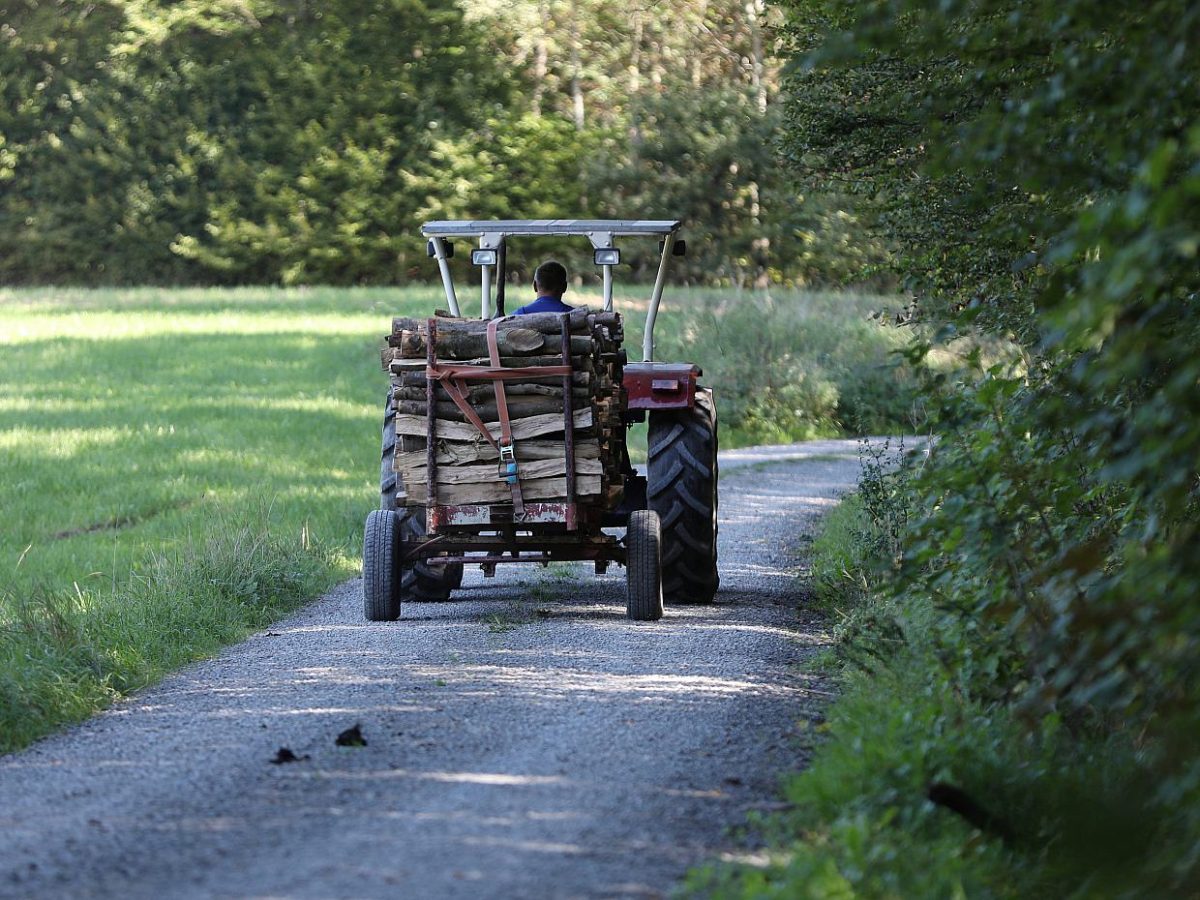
[[467, 463]]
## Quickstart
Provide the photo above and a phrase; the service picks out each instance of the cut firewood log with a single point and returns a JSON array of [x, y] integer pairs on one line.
[[416, 380], [578, 363], [546, 323], [463, 345], [518, 407], [486, 474], [579, 319], [533, 426], [458, 344], [499, 492], [452, 453], [482, 392]]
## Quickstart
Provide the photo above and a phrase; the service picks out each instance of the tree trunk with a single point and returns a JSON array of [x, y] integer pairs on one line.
[[540, 59], [754, 12], [576, 68]]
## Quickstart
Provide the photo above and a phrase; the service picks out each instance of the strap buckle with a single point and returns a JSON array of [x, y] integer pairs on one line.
[[508, 463]]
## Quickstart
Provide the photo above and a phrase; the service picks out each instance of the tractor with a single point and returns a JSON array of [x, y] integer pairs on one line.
[[468, 478]]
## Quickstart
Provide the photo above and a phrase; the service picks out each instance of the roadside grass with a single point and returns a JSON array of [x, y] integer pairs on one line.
[[859, 821], [65, 653], [182, 465], [509, 619], [919, 787]]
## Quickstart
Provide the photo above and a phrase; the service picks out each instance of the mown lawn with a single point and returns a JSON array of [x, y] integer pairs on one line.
[[181, 465]]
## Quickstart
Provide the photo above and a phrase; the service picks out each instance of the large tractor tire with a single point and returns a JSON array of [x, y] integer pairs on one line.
[[381, 571], [643, 567], [681, 486], [422, 582]]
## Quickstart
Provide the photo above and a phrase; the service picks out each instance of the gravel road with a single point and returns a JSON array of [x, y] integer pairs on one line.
[[529, 741]]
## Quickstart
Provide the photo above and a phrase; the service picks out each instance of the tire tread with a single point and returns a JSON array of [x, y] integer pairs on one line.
[[682, 488], [643, 565]]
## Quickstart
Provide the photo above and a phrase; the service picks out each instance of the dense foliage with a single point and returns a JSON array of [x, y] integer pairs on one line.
[[1031, 168], [273, 141]]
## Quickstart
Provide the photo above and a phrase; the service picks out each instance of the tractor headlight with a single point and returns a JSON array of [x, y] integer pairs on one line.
[[608, 256], [483, 257]]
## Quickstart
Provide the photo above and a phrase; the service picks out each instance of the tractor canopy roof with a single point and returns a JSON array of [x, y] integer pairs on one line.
[[490, 255], [590, 227]]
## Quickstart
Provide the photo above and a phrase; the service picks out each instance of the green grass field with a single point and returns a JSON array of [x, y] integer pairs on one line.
[[182, 465]]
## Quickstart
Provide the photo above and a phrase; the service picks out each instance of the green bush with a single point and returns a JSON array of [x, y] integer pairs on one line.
[[793, 365], [930, 779]]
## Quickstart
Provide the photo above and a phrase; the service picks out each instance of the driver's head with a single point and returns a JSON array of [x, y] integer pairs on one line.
[[550, 278]]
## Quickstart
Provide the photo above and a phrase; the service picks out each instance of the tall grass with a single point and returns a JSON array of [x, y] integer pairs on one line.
[[790, 366], [65, 652]]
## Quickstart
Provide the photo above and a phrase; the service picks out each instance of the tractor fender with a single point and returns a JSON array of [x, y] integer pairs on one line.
[[661, 385]]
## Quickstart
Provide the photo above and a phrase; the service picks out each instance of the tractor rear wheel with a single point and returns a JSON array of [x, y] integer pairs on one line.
[[681, 486], [643, 567], [381, 571], [422, 581]]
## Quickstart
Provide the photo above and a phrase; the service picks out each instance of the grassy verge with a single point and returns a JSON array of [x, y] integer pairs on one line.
[[65, 653], [925, 786], [860, 821], [181, 466]]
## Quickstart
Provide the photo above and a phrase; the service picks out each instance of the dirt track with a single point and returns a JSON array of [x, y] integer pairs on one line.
[[527, 742]]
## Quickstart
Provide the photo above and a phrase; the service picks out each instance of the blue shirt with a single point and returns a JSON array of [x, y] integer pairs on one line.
[[544, 304]]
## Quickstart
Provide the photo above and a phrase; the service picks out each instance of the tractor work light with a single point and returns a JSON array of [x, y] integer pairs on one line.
[[608, 256], [483, 257]]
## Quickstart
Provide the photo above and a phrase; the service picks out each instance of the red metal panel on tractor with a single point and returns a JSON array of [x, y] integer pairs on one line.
[[661, 385]]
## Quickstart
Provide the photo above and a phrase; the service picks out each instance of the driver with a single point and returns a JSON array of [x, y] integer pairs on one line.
[[550, 282]]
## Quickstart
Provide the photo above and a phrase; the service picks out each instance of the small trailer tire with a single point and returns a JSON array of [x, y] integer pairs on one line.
[[381, 569], [643, 567]]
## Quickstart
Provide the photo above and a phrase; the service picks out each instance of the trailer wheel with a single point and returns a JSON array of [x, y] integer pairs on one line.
[[681, 486], [422, 581], [381, 572], [643, 567]]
